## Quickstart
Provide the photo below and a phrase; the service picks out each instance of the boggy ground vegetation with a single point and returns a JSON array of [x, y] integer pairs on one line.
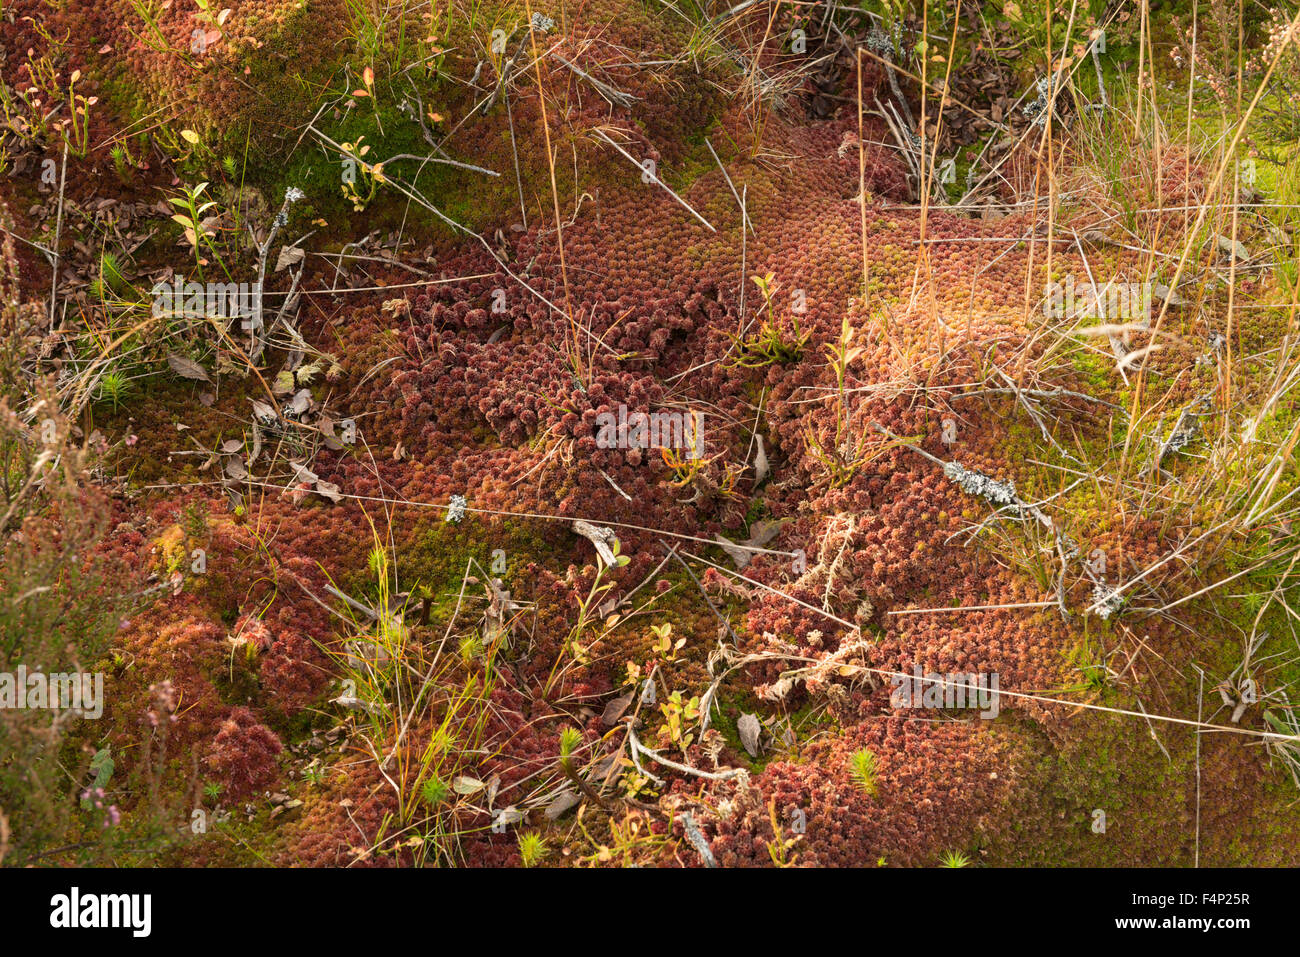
[[571, 433]]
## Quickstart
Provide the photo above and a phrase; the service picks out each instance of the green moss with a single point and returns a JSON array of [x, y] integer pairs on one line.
[[805, 721]]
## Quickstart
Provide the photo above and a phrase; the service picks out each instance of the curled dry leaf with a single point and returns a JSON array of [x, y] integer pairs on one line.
[[325, 424], [464, 784], [1162, 293], [1232, 248], [742, 553], [510, 815], [563, 802], [614, 710], [750, 731], [188, 368], [329, 490], [264, 413], [761, 467], [303, 474], [739, 556], [353, 704], [289, 256], [299, 404]]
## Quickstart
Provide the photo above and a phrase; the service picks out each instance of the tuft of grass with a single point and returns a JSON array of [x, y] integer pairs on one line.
[[424, 713], [110, 268], [434, 791], [113, 388], [109, 285], [570, 738], [532, 848], [122, 162], [863, 768]]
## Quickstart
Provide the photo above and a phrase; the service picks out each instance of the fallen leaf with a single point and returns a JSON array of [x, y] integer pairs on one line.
[[762, 532], [564, 801], [289, 256], [304, 474], [188, 368], [749, 730], [264, 412], [329, 490], [761, 468], [510, 815], [325, 424], [1232, 248], [740, 557], [464, 784], [614, 710], [352, 703], [299, 404], [1163, 293]]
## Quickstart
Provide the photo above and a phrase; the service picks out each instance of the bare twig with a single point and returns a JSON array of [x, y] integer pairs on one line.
[[58, 232], [658, 180]]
